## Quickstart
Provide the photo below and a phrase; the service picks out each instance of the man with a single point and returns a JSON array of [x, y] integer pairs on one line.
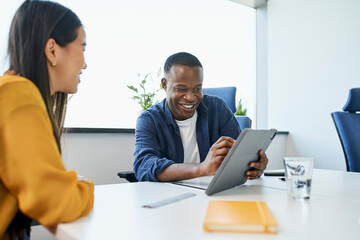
[[187, 135]]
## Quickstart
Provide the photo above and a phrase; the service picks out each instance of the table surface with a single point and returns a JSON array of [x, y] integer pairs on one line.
[[333, 211]]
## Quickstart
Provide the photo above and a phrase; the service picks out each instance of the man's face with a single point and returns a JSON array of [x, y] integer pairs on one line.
[[183, 87]]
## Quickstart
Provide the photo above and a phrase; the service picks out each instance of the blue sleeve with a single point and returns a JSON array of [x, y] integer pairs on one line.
[[229, 126], [148, 149]]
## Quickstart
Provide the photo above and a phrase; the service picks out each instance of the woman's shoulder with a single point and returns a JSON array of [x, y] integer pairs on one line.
[[12, 80], [17, 91]]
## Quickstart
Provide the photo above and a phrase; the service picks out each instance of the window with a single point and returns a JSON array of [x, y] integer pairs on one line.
[[125, 38]]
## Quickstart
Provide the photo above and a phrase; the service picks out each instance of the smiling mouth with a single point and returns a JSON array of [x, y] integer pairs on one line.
[[188, 106]]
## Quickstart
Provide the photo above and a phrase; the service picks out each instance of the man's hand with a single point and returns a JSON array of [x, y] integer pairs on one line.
[[215, 156], [258, 167]]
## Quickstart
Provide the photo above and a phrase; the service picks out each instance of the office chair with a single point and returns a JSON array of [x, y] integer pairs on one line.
[[347, 124], [128, 175], [227, 94]]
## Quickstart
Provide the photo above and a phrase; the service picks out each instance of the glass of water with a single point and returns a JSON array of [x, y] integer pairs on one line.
[[298, 173]]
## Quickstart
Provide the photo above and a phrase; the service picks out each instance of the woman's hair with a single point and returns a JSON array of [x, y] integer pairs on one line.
[[33, 24]]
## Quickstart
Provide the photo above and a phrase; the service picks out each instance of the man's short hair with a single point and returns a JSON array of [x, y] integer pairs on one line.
[[181, 58]]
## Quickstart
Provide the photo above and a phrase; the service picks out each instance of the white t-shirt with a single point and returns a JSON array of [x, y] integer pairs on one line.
[[188, 137]]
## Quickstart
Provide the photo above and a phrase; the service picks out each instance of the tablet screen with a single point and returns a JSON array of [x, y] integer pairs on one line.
[[246, 149]]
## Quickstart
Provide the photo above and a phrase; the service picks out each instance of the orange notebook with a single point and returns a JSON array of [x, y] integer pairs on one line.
[[239, 216]]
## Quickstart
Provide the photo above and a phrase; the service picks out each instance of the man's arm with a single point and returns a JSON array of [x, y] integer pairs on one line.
[[208, 167], [149, 150]]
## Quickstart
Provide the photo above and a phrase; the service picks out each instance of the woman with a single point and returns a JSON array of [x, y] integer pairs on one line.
[[46, 45]]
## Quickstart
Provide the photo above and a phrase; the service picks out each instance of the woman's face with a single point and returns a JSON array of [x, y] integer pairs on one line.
[[70, 61]]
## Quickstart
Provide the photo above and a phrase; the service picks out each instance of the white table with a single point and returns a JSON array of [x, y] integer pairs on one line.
[[333, 211]]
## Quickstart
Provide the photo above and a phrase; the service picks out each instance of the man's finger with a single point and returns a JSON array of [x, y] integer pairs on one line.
[[252, 174], [254, 165], [225, 143], [223, 138], [222, 151]]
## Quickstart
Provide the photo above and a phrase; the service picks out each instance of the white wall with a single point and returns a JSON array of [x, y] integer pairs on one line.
[[261, 119], [313, 60], [99, 156]]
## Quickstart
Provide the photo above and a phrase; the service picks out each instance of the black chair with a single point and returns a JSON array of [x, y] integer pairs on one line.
[[128, 175], [347, 124]]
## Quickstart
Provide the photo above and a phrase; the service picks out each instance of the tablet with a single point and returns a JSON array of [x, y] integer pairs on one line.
[[232, 170]]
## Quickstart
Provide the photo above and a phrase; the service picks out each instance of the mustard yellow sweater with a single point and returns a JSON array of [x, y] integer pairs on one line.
[[33, 178]]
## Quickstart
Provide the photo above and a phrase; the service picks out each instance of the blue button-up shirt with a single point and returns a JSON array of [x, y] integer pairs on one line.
[[158, 141]]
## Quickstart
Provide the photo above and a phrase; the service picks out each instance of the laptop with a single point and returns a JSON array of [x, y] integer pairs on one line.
[[231, 172]]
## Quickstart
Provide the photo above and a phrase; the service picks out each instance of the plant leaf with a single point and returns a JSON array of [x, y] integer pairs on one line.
[[133, 88]]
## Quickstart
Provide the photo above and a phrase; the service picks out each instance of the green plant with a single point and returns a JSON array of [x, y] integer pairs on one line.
[[240, 110], [142, 96]]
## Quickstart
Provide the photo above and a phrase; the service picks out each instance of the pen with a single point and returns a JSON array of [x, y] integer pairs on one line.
[[169, 200]]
